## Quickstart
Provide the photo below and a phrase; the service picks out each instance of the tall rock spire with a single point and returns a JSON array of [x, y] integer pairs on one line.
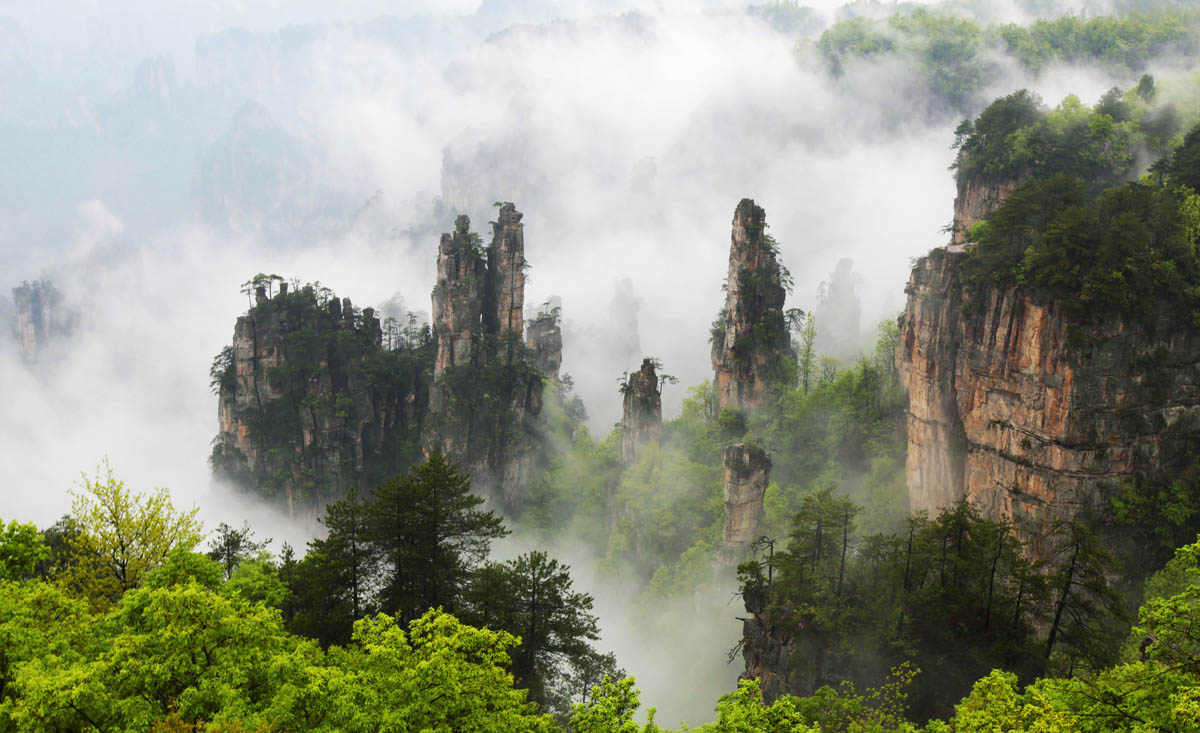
[[750, 338], [487, 388], [641, 422]]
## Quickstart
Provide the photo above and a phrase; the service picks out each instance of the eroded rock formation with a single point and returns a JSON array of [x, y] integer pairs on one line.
[[487, 385], [641, 420], [310, 405], [543, 336], [40, 317], [1025, 413], [974, 200], [750, 339], [747, 475]]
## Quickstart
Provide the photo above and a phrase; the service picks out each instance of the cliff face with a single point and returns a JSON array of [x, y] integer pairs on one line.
[[39, 317], [543, 336], [487, 386], [1015, 408], [641, 421], [750, 338], [974, 200], [310, 404], [747, 474]]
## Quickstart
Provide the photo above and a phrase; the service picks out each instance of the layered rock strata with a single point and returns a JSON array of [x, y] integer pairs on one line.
[[750, 339], [487, 383], [310, 405], [973, 201], [1028, 415], [641, 420], [747, 475]]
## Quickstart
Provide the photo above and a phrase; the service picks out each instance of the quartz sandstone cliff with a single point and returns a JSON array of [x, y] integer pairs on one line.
[[641, 420], [750, 340], [543, 336], [310, 405], [747, 474], [974, 199], [487, 385], [1024, 413]]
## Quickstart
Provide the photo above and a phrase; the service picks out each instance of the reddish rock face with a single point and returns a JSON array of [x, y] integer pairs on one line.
[[505, 309], [1030, 419], [751, 337], [747, 475], [641, 422]]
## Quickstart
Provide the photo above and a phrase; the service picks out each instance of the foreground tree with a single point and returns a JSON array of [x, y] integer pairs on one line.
[[231, 546], [21, 550], [430, 534], [531, 597], [122, 535]]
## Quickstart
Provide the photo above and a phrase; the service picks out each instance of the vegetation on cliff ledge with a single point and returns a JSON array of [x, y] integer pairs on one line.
[[1075, 230]]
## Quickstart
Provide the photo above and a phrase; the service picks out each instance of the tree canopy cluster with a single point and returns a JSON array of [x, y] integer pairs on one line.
[[960, 59], [1073, 230], [111, 620]]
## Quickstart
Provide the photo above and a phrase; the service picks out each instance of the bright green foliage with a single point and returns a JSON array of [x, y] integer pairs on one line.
[[611, 710], [21, 549], [743, 711], [440, 675], [122, 536], [178, 649], [258, 581], [182, 567], [37, 621], [995, 705], [178, 656]]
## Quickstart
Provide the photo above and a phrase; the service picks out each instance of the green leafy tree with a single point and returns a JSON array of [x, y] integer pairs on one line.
[[230, 546], [122, 536], [439, 675], [22, 549]]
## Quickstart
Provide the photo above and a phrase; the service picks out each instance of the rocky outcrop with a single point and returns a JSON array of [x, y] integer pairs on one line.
[[750, 339], [1025, 413], [747, 475], [641, 420], [310, 405], [487, 383], [40, 317], [543, 336], [974, 200], [505, 294]]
